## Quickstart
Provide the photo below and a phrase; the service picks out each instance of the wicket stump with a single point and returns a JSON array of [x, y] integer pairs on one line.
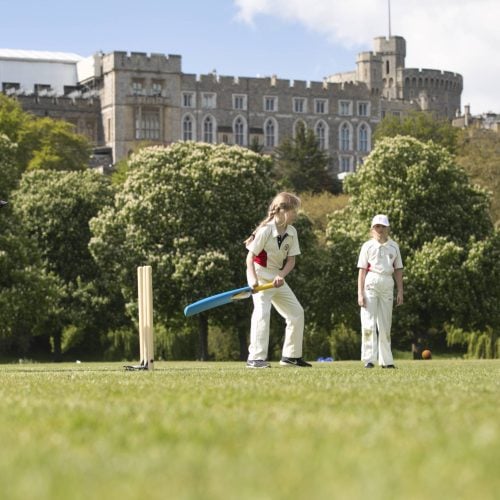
[[145, 298]]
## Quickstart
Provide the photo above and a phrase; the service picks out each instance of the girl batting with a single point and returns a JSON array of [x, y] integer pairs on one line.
[[272, 249], [379, 264]]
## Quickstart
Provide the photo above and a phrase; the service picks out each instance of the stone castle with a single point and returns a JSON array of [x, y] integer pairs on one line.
[[121, 100]]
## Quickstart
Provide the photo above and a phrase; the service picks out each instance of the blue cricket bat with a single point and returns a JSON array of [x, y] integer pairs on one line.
[[223, 298]]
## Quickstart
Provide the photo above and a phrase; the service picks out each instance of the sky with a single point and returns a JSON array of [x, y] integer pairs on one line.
[[292, 39]]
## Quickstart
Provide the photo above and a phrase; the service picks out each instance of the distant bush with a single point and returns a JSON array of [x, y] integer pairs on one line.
[[345, 343]]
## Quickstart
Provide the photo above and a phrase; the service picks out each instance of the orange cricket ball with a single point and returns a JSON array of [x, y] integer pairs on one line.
[[427, 354]]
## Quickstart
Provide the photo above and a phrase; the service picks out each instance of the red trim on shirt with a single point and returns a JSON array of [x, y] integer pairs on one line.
[[261, 259]]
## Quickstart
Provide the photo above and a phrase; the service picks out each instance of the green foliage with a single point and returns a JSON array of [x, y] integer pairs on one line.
[[420, 125], [42, 143], [479, 155], [345, 343], [185, 210], [54, 209], [301, 165], [319, 206], [442, 225], [9, 171], [421, 189], [28, 292], [480, 344]]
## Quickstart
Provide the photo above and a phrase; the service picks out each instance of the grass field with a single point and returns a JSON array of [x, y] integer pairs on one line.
[[430, 429]]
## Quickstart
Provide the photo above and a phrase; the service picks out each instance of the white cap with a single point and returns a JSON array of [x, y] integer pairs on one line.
[[380, 219]]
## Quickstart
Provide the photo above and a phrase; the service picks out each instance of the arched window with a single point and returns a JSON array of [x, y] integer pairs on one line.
[[209, 129], [270, 133], [345, 137], [188, 128], [321, 132], [239, 131], [363, 138]]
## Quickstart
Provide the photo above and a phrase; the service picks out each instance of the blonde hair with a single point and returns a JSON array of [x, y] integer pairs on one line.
[[278, 210]]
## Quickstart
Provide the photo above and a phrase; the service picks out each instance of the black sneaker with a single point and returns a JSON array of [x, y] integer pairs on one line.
[[257, 363], [369, 365], [295, 362], [389, 366]]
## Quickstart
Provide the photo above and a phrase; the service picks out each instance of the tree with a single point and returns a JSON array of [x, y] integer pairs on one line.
[[9, 172], [54, 209], [301, 165], [42, 143], [422, 190], [420, 125], [28, 293], [437, 217], [479, 155], [185, 210]]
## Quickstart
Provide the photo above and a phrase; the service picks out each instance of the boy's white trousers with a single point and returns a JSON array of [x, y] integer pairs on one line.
[[284, 301], [377, 316]]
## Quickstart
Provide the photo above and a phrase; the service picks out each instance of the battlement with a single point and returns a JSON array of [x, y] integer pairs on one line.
[[392, 45], [272, 84], [423, 77], [141, 61], [368, 57]]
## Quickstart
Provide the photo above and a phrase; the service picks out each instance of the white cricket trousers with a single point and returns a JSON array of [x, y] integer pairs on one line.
[[284, 301], [377, 316]]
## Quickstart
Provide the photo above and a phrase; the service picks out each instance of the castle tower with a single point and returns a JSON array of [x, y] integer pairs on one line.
[[369, 71], [392, 51]]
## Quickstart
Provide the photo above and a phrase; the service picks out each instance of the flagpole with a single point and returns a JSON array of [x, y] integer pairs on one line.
[[389, 8]]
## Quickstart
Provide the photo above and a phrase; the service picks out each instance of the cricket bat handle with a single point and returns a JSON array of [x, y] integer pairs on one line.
[[261, 288]]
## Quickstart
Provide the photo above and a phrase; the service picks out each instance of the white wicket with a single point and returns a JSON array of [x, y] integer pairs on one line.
[[145, 298]]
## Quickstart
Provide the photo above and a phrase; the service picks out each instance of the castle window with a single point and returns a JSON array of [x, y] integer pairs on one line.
[[240, 102], [239, 131], [320, 106], [387, 67], [137, 86], [208, 100], [188, 128], [345, 164], [345, 137], [147, 124], [188, 100], [363, 138], [156, 88], [363, 108], [270, 128], [345, 108], [208, 129], [321, 132], [299, 105], [270, 103]]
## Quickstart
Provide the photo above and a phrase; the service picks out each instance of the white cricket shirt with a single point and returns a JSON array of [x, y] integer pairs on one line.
[[270, 250], [381, 258]]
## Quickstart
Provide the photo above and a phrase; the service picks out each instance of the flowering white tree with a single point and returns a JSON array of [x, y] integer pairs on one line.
[[438, 218], [185, 210]]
